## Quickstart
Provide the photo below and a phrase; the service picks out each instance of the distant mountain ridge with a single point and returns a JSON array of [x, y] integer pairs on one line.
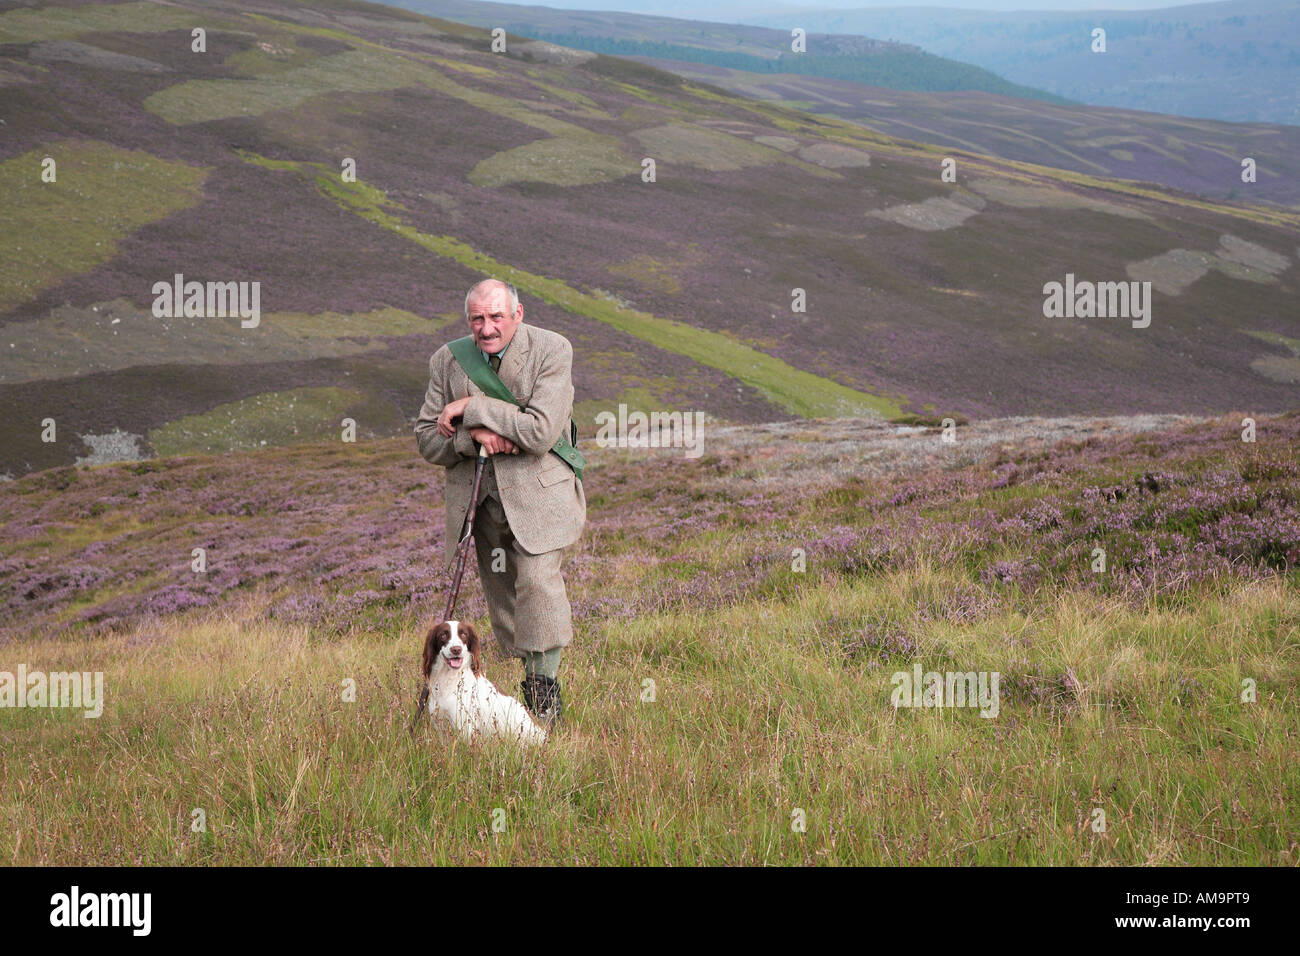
[[1237, 60], [894, 67], [898, 89], [863, 59]]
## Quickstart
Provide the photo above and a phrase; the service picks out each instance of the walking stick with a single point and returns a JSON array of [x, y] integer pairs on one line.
[[462, 552]]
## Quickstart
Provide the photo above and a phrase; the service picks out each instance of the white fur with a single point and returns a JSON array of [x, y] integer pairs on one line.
[[472, 705]]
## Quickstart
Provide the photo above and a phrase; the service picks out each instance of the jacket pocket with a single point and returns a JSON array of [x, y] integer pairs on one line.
[[554, 474]]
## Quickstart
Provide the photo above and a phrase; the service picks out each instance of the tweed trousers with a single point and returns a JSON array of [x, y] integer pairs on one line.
[[525, 592]]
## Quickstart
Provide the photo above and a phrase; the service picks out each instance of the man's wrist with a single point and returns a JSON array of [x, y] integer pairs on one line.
[[477, 411]]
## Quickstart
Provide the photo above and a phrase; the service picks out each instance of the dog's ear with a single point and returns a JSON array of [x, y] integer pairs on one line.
[[470, 637], [432, 645]]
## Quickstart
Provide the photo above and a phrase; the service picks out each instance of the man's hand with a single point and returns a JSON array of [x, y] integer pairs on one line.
[[494, 443], [446, 420]]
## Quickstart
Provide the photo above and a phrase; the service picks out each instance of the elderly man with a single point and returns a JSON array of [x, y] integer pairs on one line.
[[531, 506]]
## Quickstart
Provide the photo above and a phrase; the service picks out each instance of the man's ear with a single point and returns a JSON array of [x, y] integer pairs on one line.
[[470, 637]]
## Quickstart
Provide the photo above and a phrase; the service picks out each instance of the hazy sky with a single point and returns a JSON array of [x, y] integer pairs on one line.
[[736, 10]]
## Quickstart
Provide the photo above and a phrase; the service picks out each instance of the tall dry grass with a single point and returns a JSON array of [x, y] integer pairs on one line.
[[760, 709]]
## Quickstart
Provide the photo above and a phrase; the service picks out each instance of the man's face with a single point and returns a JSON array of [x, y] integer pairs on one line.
[[490, 320]]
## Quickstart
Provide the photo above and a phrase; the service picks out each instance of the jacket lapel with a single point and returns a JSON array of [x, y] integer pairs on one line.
[[512, 365], [462, 386]]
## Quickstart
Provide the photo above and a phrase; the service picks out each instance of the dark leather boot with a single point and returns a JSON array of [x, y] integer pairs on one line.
[[542, 698]]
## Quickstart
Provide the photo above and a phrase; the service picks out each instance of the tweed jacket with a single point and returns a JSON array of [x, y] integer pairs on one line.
[[542, 497]]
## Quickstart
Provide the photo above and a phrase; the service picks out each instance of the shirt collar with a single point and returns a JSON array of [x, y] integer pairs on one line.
[[502, 353]]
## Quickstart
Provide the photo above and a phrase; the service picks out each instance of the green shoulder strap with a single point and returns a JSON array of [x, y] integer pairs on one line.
[[466, 352]]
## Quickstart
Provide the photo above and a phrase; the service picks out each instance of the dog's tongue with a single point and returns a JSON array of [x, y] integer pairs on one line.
[[454, 661]]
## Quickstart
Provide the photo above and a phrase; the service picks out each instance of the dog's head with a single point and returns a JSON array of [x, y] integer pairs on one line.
[[451, 645]]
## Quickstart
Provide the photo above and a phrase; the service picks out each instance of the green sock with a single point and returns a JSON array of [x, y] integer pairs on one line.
[[546, 663]]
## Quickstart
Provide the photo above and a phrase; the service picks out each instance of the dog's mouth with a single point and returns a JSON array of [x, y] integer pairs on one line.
[[455, 661]]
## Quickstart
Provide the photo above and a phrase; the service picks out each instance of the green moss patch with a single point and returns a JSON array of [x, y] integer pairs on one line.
[[356, 71], [648, 273], [711, 149], [269, 58], [61, 23], [1278, 368], [559, 160], [272, 418], [101, 194], [1011, 193], [116, 335]]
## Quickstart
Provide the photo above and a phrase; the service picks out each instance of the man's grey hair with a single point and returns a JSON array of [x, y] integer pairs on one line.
[[510, 290]]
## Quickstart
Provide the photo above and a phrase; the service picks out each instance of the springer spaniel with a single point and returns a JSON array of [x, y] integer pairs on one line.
[[461, 696]]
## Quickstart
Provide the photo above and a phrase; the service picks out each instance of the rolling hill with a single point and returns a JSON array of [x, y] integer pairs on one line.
[[924, 297], [1193, 155], [898, 90]]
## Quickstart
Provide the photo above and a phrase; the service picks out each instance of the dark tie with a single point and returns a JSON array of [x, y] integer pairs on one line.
[[496, 362]]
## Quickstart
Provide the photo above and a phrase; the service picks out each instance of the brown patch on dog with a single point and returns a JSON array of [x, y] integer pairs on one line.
[[471, 639], [437, 636]]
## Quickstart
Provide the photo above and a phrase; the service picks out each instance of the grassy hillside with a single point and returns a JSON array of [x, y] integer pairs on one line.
[[901, 91], [1193, 155], [715, 686], [923, 297]]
